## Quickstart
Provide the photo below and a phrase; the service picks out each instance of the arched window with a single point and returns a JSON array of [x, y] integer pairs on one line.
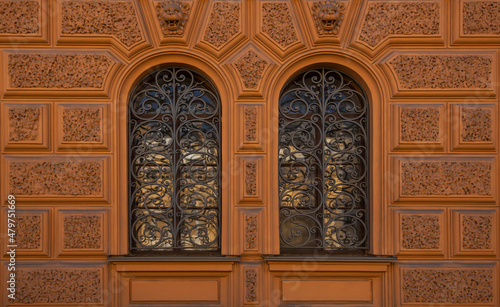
[[174, 163], [323, 171]]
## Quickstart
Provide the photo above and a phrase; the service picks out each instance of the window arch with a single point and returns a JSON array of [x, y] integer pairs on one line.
[[322, 163], [174, 163]]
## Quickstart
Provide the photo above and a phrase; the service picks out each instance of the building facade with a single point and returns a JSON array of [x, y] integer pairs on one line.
[[250, 153]]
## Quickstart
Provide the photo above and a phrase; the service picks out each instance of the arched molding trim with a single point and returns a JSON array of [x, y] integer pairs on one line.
[[124, 87], [370, 80]]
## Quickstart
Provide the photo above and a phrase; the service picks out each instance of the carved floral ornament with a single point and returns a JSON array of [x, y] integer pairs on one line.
[[173, 16], [328, 16]]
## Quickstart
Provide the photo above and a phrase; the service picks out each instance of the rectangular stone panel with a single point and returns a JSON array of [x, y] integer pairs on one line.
[[174, 290], [475, 232], [250, 132], [32, 226], [73, 178], [439, 74], [324, 291], [475, 22], [251, 185], [82, 232], [418, 127], [58, 284], [23, 21], [26, 127], [83, 127], [420, 232], [461, 284], [444, 179], [474, 127]]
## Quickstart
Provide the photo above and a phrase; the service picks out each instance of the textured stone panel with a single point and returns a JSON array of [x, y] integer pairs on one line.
[[172, 16], [420, 231], [251, 231], [117, 19], [384, 19], [58, 70], [477, 232], [251, 178], [251, 285], [446, 178], [420, 124], [55, 178], [251, 124], [58, 286], [82, 124], [19, 17], [277, 24], [28, 231], [476, 124], [251, 67], [224, 23], [24, 123], [82, 231], [481, 17], [459, 286], [443, 71]]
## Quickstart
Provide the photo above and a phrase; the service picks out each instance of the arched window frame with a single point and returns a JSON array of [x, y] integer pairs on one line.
[[183, 207], [323, 163]]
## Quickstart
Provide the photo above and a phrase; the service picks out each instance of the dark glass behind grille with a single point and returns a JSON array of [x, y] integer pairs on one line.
[[174, 161], [323, 158]]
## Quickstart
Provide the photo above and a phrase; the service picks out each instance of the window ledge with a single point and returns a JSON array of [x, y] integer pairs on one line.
[[172, 259], [367, 258]]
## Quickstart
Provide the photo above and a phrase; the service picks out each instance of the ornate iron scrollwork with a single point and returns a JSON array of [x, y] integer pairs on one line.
[[174, 161], [323, 169]]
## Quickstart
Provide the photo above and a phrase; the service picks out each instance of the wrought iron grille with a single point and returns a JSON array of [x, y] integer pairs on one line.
[[174, 163], [323, 167]]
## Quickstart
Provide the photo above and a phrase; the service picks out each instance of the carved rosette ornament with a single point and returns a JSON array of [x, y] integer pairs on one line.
[[173, 16], [328, 16]]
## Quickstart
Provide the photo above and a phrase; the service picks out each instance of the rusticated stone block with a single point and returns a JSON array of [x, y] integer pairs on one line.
[[476, 124], [458, 286], [55, 178], [443, 71], [24, 123], [277, 23], [384, 19], [420, 124], [28, 231], [19, 17], [477, 232], [481, 17], [251, 66], [82, 124], [224, 23], [445, 178], [420, 231], [115, 18], [58, 70], [58, 286], [82, 231]]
